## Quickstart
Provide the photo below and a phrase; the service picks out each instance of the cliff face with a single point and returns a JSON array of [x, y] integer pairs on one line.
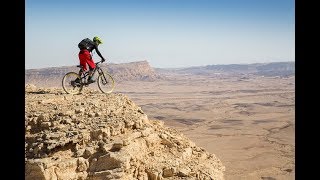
[[98, 136], [133, 71], [140, 70]]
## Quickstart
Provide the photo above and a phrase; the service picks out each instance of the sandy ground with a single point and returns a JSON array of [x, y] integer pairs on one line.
[[249, 123]]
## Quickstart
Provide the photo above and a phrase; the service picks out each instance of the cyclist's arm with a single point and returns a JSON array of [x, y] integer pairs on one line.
[[98, 52]]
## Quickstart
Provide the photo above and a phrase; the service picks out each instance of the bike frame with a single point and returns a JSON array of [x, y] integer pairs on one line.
[[97, 69]]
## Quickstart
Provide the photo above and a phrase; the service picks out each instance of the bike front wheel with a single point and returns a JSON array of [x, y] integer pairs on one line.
[[105, 83], [70, 85]]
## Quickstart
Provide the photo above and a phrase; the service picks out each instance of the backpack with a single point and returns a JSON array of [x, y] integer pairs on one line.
[[85, 43]]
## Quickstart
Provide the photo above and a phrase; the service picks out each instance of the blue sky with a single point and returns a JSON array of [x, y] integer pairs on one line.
[[166, 33]]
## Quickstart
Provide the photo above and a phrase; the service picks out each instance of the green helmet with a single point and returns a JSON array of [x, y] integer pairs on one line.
[[97, 39]]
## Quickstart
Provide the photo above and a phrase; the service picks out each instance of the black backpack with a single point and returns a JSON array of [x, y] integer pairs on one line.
[[85, 43]]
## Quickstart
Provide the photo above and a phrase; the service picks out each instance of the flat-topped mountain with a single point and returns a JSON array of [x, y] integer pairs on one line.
[[98, 136]]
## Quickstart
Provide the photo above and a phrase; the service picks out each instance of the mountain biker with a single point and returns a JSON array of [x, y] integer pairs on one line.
[[86, 47]]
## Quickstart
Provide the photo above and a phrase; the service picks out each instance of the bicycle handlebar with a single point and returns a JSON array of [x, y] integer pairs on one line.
[[99, 62]]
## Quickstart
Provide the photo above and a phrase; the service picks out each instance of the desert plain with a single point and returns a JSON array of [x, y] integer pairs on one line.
[[248, 122]]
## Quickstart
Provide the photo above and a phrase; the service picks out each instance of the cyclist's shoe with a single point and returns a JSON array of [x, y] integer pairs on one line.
[[75, 84], [91, 81], [77, 80]]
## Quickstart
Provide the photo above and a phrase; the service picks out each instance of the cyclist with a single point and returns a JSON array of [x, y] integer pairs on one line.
[[86, 47]]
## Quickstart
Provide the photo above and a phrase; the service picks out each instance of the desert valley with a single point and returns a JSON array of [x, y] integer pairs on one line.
[[211, 122]]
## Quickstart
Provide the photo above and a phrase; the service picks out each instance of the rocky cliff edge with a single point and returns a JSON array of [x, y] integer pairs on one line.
[[96, 136]]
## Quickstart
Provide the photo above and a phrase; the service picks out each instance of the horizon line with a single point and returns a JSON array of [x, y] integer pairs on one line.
[[172, 67]]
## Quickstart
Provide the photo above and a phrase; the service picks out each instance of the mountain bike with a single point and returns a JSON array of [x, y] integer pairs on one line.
[[72, 83]]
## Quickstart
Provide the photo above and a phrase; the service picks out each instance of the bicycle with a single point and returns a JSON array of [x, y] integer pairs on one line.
[[105, 81]]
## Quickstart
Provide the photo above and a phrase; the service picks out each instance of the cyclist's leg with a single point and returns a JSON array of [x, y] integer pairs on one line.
[[91, 70], [83, 57], [92, 66], [86, 58]]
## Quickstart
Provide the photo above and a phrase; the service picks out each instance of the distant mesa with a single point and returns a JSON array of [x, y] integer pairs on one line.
[[282, 69]]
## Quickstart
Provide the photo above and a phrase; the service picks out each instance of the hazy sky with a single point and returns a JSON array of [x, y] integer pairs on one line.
[[166, 33]]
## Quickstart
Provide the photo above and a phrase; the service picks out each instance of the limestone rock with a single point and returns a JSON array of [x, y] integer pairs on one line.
[[98, 136]]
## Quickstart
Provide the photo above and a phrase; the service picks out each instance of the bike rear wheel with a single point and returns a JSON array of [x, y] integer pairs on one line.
[[69, 85], [105, 83]]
